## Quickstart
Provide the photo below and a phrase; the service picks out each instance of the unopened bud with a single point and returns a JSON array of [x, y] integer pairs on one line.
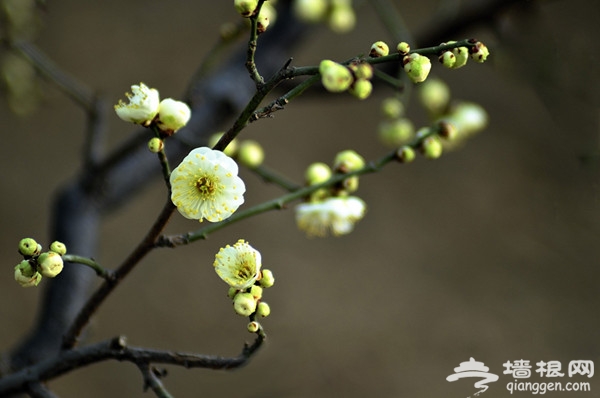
[[28, 247], [267, 280], [347, 161], [263, 310], [244, 304], [245, 7], [379, 49], [403, 48], [155, 145], [50, 264], [26, 275], [58, 248], [317, 173], [251, 154], [417, 67]]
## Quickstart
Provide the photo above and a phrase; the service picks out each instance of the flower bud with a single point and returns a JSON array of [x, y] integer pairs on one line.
[[448, 59], [405, 154], [361, 89], [479, 52], [266, 17], [347, 161], [362, 70], [232, 292], [26, 275], [403, 48], [173, 115], [342, 18], [311, 11], [392, 108], [434, 95], [335, 77], [417, 67], [447, 130], [317, 173], [253, 327], [379, 49], [267, 279], [263, 310], [251, 154], [256, 292], [467, 118], [28, 247], [350, 185], [142, 107], [395, 132], [58, 248], [245, 7], [244, 304], [462, 55], [156, 145], [432, 147], [50, 264]]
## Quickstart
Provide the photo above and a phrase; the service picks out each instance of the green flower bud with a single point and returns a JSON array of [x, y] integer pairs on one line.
[[447, 130], [244, 304], [256, 292], [462, 55], [405, 154], [342, 18], [50, 264], [467, 118], [432, 147], [317, 173], [232, 292], [26, 275], [251, 154], [417, 67], [311, 11], [172, 115], [379, 49], [245, 7], [479, 52], [403, 48], [448, 59], [434, 95], [362, 70], [58, 248], [28, 247], [395, 132], [156, 145], [253, 327], [335, 77], [230, 150], [262, 22], [347, 161], [392, 108], [263, 310], [350, 184], [267, 279], [361, 89]]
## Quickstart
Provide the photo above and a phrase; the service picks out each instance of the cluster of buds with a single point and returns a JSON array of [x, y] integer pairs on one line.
[[265, 17], [145, 108], [332, 209], [354, 78], [458, 57], [36, 264], [240, 267], [338, 14], [249, 153]]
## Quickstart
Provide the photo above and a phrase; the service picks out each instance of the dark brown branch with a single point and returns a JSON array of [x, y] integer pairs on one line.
[[117, 348]]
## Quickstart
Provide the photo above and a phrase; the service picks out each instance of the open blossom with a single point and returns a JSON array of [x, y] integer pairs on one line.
[[206, 185], [336, 215], [238, 265], [142, 106]]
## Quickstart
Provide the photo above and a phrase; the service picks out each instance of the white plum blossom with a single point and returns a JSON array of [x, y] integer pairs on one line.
[[206, 185], [336, 215], [238, 265], [142, 107]]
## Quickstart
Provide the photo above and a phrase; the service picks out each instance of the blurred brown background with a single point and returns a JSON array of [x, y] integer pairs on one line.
[[490, 252]]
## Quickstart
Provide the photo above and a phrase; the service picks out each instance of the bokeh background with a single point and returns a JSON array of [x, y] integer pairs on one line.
[[490, 252]]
